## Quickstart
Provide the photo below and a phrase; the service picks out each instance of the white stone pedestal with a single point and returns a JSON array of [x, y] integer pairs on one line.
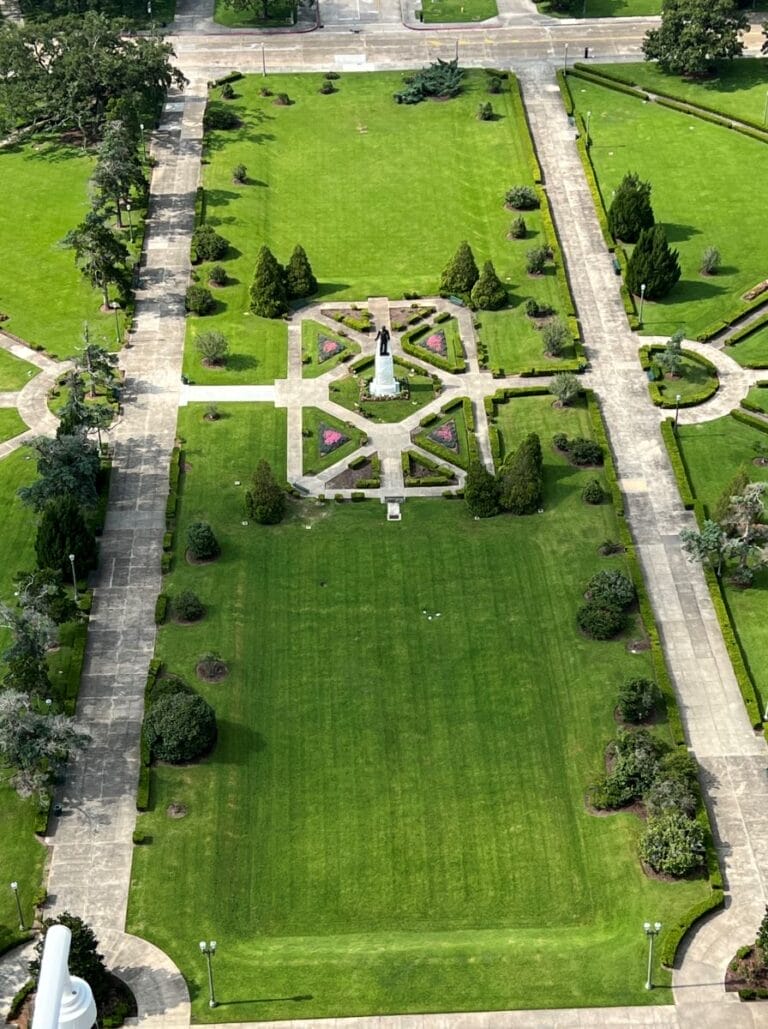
[[384, 383]]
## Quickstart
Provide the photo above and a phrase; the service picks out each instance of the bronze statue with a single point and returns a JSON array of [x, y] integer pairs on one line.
[[382, 338]]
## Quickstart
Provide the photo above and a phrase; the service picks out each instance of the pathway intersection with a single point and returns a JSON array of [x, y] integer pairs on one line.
[[91, 845]]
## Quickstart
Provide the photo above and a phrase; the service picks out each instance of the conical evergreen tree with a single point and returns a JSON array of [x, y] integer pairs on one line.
[[488, 293], [630, 211], [481, 491], [460, 274], [63, 531], [654, 263], [268, 293], [299, 280], [265, 502]]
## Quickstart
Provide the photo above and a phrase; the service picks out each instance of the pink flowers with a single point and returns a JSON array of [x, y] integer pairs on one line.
[[446, 435], [329, 439], [436, 343], [327, 348], [332, 438]]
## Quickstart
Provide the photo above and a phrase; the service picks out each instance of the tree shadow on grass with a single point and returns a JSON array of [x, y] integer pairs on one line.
[[241, 362], [696, 289], [220, 197], [324, 289], [242, 741], [679, 233]]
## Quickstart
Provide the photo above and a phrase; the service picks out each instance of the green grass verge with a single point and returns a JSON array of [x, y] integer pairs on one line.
[[280, 14], [400, 814], [752, 350], [346, 392], [258, 349], [11, 423], [654, 141], [436, 11], [697, 380], [713, 452], [605, 9], [313, 420], [310, 333], [14, 373], [399, 223], [756, 399], [514, 343], [738, 89]]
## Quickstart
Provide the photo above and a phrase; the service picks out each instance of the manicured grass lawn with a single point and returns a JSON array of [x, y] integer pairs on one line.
[[714, 452], [346, 392], [693, 381], [514, 343], [738, 90], [629, 135], [11, 423], [323, 172], [15, 373], [392, 819], [542, 417], [458, 10], [314, 421], [311, 332], [453, 345], [44, 196], [606, 9], [759, 395], [258, 350], [752, 351], [280, 14]]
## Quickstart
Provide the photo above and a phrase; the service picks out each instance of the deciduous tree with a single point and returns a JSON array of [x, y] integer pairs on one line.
[[694, 34], [32, 743]]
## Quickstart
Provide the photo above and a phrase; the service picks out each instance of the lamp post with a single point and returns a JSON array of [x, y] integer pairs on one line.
[[642, 301], [143, 145], [677, 408], [74, 576], [130, 219], [209, 949], [651, 931], [589, 119], [263, 61], [15, 888], [565, 57]]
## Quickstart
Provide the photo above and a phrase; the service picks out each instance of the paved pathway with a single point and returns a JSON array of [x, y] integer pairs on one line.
[[31, 400], [733, 758]]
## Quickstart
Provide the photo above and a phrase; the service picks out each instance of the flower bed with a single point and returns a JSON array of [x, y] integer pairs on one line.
[[447, 436], [328, 348], [329, 439]]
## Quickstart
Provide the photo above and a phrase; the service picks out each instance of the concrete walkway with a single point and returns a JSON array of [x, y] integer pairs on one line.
[[732, 757]]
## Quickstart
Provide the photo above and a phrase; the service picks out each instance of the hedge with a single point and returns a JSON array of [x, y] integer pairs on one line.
[[145, 756], [43, 814], [565, 91], [200, 208], [739, 311], [553, 241], [425, 480], [409, 455], [597, 424], [174, 474], [749, 419], [676, 459], [579, 71], [75, 669], [674, 933], [161, 608], [521, 116], [733, 646], [747, 330], [406, 341], [594, 189], [232, 76], [657, 396]]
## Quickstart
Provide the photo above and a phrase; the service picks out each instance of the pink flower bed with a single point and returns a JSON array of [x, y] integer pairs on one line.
[[327, 348], [436, 343], [330, 439], [446, 435]]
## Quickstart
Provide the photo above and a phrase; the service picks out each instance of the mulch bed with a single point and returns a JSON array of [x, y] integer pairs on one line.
[[348, 478], [218, 676], [748, 972], [176, 810], [192, 560]]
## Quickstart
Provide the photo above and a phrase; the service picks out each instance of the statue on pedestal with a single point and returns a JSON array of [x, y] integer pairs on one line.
[[382, 338]]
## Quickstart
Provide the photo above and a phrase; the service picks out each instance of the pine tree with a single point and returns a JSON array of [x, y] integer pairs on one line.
[[63, 531], [481, 491], [630, 211], [488, 293], [268, 292], [654, 263], [265, 502], [522, 479], [299, 280], [460, 274]]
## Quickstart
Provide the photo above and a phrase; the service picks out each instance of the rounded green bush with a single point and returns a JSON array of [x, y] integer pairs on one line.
[[188, 607], [202, 542], [180, 727], [585, 451], [667, 795], [601, 622], [611, 588], [638, 699], [199, 300], [208, 244], [673, 844], [593, 492]]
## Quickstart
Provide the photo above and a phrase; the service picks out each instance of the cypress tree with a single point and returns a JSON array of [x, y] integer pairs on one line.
[[63, 531], [460, 274], [630, 211], [481, 491], [265, 502], [299, 280], [268, 293], [654, 263], [522, 479], [488, 293]]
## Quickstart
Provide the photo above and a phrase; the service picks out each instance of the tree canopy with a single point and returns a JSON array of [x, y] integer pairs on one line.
[[694, 34]]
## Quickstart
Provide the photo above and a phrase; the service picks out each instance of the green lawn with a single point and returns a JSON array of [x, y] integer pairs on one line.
[[714, 452], [44, 196], [322, 173], [258, 350], [738, 89], [514, 343], [759, 396], [752, 351], [280, 14], [314, 423], [656, 142], [605, 9], [15, 373], [694, 384], [545, 419], [11, 423], [311, 333], [346, 392], [435, 11], [393, 817]]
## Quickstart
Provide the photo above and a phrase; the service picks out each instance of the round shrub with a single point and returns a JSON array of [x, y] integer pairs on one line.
[[673, 844], [227, 92], [202, 542], [208, 244], [611, 587], [610, 793], [188, 607], [180, 727], [560, 441], [600, 621], [593, 493], [217, 275], [518, 230], [199, 300], [485, 111], [637, 759], [522, 198], [638, 699], [494, 84], [239, 174], [326, 88], [331, 75], [667, 795], [218, 116], [535, 260], [168, 684], [585, 451]]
